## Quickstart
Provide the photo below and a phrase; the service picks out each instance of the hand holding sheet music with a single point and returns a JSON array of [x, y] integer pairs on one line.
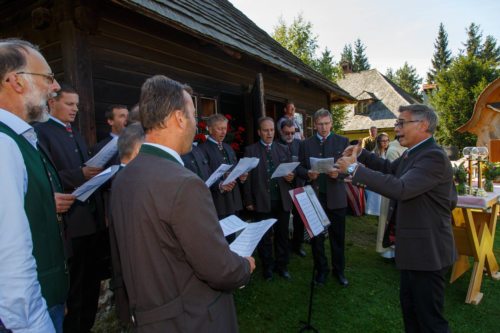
[[104, 155]]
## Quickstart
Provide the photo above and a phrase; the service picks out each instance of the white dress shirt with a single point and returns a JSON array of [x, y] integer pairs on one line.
[[22, 307]]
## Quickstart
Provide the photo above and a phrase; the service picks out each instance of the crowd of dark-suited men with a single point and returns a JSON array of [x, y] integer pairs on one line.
[[154, 227]]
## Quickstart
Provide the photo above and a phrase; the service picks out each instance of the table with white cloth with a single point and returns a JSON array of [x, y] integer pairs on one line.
[[474, 224]]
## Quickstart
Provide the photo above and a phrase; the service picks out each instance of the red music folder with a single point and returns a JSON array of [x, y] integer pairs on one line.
[[310, 210]]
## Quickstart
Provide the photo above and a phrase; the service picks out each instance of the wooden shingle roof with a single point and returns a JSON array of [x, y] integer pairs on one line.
[[221, 23], [386, 96]]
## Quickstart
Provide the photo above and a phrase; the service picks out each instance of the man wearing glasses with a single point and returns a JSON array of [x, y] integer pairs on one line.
[[420, 186], [331, 193], [33, 276], [287, 132]]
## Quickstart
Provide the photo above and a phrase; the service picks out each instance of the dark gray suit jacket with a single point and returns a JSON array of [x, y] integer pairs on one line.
[[422, 186], [177, 267], [334, 147], [226, 203], [68, 151], [256, 188], [196, 161], [294, 148]]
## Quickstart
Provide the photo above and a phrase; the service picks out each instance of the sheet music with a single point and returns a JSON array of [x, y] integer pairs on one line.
[[244, 165], [317, 206], [247, 241], [322, 165], [217, 174], [232, 224], [86, 189], [104, 155], [310, 213], [284, 169]]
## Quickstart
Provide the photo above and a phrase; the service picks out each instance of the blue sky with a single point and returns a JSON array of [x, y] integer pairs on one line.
[[393, 31]]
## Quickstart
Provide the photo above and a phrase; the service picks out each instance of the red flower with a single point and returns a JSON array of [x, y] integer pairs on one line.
[[241, 129], [200, 137], [235, 146], [228, 117], [202, 125]]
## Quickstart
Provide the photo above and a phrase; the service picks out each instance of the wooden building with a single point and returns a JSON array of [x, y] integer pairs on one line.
[[378, 100], [106, 50]]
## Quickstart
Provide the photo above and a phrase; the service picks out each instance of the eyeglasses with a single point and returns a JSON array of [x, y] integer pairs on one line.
[[323, 124], [50, 77], [400, 123]]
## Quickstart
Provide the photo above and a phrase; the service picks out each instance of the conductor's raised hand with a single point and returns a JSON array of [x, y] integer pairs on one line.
[[353, 150]]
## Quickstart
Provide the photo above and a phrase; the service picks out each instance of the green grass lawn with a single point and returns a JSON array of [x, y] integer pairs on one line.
[[369, 304]]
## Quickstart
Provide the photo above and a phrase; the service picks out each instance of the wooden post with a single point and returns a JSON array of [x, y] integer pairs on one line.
[[78, 70]]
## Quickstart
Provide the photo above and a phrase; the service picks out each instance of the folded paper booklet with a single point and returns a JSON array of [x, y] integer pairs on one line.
[[284, 169], [249, 238], [244, 165], [322, 165], [310, 210], [221, 170], [104, 155], [86, 189]]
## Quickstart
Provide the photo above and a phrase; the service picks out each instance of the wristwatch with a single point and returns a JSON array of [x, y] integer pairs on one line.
[[351, 168]]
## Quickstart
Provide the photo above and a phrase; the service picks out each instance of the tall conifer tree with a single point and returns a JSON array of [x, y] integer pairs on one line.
[[360, 62], [442, 55]]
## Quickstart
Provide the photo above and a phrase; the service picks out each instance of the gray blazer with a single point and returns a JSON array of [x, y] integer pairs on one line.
[[177, 267], [336, 195], [421, 186], [256, 188]]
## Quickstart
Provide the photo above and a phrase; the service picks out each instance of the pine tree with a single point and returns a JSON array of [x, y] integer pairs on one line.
[[442, 55], [360, 62], [473, 43], [389, 73], [407, 78], [490, 50], [326, 66], [346, 55]]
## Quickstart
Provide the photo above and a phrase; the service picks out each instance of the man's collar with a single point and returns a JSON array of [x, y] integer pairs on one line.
[[113, 135], [321, 138], [169, 151], [265, 144], [14, 122], [421, 144], [57, 121], [213, 140]]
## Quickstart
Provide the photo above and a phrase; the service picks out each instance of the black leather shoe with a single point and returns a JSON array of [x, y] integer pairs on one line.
[[340, 276], [267, 274], [320, 279], [285, 274], [300, 252]]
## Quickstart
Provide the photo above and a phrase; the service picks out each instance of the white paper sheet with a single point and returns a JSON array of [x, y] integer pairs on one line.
[[322, 165], [86, 189], [284, 169], [244, 165], [310, 213], [104, 155], [221, 170], [247, 241], [232, 224]]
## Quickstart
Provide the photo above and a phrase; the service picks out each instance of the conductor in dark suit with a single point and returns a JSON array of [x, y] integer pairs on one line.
[[420, 186], [331, 193], [69, 153], [287, 131], [177, 267], [227, 198], [269, 198]]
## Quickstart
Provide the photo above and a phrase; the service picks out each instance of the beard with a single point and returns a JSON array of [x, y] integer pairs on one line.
[[36, 104]]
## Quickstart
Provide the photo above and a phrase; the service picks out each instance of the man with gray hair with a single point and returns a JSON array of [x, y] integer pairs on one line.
[[177, 267], [420, 186], [33, 275]]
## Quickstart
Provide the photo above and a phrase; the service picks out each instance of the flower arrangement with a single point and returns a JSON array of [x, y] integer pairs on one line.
[[234, 136], [460, 175], [491, 172]]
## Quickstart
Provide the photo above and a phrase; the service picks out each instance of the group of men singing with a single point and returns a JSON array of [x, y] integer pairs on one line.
[[172, 266]]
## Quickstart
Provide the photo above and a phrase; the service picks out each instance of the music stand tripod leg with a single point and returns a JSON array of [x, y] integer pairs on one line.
[[307, 325]]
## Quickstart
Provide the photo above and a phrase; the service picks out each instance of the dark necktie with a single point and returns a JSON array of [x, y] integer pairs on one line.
[[268, 148], [219, 145]]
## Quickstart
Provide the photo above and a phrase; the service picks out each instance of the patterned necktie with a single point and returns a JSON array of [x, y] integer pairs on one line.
[[268, 148], [219, 145], [69, 129]]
